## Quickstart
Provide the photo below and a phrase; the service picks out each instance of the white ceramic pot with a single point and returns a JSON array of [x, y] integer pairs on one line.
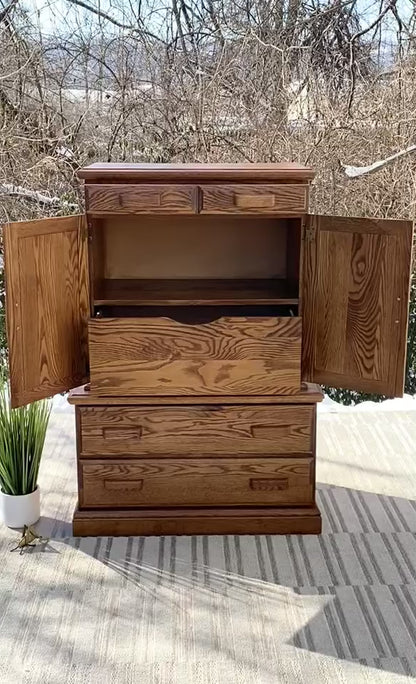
[[17, 511]]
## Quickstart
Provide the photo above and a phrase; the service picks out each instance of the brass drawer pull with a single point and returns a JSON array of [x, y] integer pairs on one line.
[[123, 485], [254, 201], [262, 484]]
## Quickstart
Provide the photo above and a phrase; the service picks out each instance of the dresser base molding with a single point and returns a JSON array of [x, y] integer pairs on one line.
[[157, 522]]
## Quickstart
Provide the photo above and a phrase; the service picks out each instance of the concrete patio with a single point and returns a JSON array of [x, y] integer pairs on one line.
[[246, 610]]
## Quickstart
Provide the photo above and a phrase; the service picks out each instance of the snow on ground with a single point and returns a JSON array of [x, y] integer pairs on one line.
[[60, 404], [407, 403]]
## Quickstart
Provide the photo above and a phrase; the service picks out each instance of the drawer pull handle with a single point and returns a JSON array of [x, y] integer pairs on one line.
[[148, 200], [123, 485], [130, 434], [254, 201], [266, 431], [270, 484]]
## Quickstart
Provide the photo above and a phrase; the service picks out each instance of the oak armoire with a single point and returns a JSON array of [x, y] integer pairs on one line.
[[191, 311]]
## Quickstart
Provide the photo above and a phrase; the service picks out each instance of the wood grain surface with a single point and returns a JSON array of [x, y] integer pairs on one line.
[[181, 246], [293, 520], [96, 256], [286, 200], [193, 430], [355, 288], [228, 356], [308, 394], [141, 199], [257, 172], [47, 306], [199, 481], [198, 291]]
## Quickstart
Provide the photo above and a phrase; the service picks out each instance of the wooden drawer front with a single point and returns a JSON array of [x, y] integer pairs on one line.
[[288, 200], [237, 356], [196, 430], [141, 199], [196, 482]]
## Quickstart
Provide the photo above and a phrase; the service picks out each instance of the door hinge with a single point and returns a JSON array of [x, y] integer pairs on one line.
[[309, 233], [85, 230]]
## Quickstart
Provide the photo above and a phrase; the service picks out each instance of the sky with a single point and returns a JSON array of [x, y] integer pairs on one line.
[[56, 14]]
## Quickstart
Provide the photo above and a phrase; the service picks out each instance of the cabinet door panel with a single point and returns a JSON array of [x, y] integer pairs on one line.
[[46, 306], [356, 275]]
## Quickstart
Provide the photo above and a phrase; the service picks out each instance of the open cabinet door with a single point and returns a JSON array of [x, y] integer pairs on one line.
[[355, 299], [46, 306]]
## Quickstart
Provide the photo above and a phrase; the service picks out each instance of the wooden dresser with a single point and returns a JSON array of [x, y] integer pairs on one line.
[[200, 303]]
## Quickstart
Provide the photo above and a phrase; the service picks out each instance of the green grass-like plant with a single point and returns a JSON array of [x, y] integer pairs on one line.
[[22, 437]]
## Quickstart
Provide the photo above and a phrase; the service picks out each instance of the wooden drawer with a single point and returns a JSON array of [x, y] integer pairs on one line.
[[196, 482], [141, 199], [287, 200], [195, 430], [230, 356]]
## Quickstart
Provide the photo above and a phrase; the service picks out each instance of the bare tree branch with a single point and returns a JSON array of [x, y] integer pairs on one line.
[[6, 10], [357, 171], [354, 38], [111, 19], [102, 14], [34, 196]]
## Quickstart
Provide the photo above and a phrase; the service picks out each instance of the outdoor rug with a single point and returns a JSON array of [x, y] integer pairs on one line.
[[340, 607]]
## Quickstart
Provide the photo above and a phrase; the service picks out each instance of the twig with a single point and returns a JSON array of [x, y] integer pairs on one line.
[[355, 37]]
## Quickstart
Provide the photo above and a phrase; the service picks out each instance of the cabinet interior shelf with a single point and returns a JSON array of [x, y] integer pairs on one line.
[[141, 292]]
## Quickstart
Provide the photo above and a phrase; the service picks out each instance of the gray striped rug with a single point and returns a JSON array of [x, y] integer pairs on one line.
[[340, 607]]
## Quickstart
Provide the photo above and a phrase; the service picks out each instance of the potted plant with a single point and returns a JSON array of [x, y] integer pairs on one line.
[[22, 436]]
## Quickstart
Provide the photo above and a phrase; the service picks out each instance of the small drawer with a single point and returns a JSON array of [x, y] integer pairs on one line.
[[196, 482], [160, 356], [287, 200], [196, 430], [141, 199]]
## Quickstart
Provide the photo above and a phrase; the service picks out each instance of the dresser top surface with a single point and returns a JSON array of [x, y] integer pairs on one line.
[[309, 394], [283, 171]]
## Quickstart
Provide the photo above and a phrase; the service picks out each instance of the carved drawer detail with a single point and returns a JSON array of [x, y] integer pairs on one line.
[[197, 482]]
